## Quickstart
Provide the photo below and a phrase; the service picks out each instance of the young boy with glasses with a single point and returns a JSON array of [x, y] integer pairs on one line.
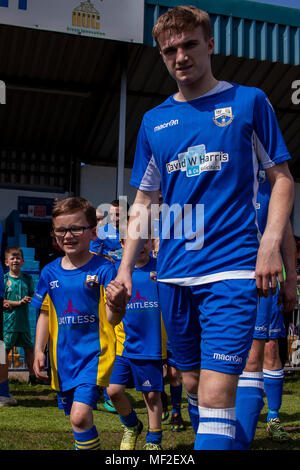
[[76, 320]]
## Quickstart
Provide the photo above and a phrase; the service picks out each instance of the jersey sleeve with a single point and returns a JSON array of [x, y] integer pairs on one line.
[[40, 291], [109, 275], [145, 173], [268, 141]]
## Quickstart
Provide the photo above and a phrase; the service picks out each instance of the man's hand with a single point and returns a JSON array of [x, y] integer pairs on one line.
[[268, 270], [288, 294]]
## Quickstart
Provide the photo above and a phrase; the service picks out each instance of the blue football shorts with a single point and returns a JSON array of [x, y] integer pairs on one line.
[[84, 393], [270, 321], [145, 375], [210, 326], [170, 361]]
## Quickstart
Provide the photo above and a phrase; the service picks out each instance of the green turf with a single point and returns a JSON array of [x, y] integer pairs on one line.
[[37, 424]]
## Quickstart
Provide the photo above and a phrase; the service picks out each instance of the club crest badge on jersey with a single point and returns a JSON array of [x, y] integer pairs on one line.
[[223, 116], [153, 276], [91, 281], [261, 176]]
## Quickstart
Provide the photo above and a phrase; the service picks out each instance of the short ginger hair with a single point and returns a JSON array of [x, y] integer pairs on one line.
[[182, 18]]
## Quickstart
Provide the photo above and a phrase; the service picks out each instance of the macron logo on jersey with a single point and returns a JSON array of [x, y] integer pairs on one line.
[[196, 160], [173, 122]]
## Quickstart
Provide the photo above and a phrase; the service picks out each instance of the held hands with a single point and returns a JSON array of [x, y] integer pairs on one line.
[[116, 297]]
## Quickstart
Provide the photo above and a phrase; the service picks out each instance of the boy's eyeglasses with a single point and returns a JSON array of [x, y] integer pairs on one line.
[[75, 231]]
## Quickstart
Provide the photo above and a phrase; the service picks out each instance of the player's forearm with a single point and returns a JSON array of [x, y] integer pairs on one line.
[[13, 303], [115, 316], [139, 227], [42, 332], [280, 206]]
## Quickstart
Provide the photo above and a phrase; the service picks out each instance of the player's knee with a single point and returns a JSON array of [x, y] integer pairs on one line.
[[79, 418], [191, 380], [114, 392], [153, 399]]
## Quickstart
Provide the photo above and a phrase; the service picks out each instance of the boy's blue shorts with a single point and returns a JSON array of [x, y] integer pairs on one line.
[[270, 321], [211, 325], [145, 375], [170, 361], [84, 393]]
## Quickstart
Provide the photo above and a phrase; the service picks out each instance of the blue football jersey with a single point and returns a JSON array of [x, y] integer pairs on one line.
[[263, 199], [108, 242], [204, 155], [141, 334], [82, 341]]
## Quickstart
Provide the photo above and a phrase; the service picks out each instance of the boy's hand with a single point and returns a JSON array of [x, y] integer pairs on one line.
[[26, 300], [116, 296], [39, 366]]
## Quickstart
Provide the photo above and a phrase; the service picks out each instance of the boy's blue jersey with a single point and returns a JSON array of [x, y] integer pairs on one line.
[[204, 155], [107, 242], [141, 334], [263, 199], [82, 342]]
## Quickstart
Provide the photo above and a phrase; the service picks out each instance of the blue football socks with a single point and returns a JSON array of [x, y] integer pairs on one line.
[[87, 440], [216, 429], [193, 410], [130, 420], [249, 403], [176, 396], [273, 382], [4, 389]]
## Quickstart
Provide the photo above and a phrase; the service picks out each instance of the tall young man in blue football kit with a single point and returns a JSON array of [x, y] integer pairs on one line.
[[202, 147]]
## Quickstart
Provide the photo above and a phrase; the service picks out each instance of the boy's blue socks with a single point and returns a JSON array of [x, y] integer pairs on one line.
[[154, 436], [87, 440], [130, 420], [193, 410], [216, 429], [4, 389], [273, 382], [249, 403], [105, 395], [176, 397]]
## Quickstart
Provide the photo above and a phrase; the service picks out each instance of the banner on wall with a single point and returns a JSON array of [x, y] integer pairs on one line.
[[122, 20]]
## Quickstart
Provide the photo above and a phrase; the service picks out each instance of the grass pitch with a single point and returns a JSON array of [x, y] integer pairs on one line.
[[37, 423]]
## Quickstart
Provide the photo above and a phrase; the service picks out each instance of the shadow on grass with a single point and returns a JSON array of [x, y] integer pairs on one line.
[[37, 403]]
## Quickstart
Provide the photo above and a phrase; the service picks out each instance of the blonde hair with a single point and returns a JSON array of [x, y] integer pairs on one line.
[[182, 18]]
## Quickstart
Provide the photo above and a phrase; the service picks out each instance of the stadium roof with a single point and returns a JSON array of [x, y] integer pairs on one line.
[[63, 91]]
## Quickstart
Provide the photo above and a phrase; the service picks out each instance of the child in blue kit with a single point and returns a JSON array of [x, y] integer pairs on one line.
[[74, 316], [141, 343]]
